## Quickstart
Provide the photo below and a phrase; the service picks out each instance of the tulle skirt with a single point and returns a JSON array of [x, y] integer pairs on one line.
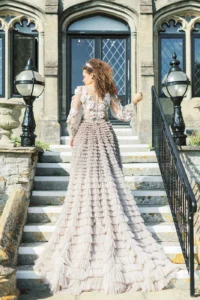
[[100, 241]]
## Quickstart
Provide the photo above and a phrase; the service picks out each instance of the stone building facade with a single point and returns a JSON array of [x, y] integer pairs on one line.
[[136, 37]]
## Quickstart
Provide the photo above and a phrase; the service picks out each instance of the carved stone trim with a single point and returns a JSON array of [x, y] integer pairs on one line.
[[146, 7], [51, 71], [147, 68], [166, 20], [51, 7]]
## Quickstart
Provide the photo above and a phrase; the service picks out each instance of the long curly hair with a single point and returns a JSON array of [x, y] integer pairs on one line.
[[103, 77]]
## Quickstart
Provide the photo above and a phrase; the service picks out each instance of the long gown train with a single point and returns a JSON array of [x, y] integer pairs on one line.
[[100, 241]]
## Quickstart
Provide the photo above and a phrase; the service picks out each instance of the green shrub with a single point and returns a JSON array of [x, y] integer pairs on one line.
[[43, 145], [150, 147], [40, 144], [194, 139], [16, 140]]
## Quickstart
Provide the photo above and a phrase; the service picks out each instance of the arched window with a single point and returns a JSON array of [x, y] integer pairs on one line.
[[18, 42], [171, 38], [102, 37], [24, 44], [196, 60]]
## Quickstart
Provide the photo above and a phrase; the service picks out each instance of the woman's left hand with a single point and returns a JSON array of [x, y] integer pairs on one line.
[[71, 142], [138, 97]]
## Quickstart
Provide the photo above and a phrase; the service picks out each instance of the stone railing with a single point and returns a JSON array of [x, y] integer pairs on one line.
[[11, 227], [17, 167], [190, 156]]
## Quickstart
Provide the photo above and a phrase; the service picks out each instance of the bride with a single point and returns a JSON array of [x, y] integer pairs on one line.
[[100, 241]]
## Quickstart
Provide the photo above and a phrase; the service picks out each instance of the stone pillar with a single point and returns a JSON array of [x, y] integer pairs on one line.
[[17, 172], [50, 128], [17, 167], [146, 73]]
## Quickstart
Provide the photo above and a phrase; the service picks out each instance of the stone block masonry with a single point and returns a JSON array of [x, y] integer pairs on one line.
[[17, 168]]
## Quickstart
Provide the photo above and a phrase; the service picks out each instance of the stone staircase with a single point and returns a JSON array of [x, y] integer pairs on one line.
[[143, 177]]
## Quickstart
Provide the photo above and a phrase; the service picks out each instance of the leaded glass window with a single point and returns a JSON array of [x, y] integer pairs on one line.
[[82, 49], [24, 42], [114, 52], [196, 60], [171, 38]]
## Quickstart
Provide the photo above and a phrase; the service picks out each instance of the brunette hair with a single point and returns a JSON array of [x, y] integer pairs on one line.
[[103, 76]]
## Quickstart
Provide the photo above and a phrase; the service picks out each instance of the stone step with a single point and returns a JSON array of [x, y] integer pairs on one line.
[[62, 169], [57, 183], [27, 278], [127, 157], [123, 140], [150, 214], [153, 197], [28, 252], [123, 148], [123, 131], [165, 232]]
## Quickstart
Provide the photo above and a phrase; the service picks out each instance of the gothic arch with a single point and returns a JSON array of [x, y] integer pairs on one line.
[[85, 10], [17, 11], [187, 13]]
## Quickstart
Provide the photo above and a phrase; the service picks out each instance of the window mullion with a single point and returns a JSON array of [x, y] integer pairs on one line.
[[188, 61], [7, 63]]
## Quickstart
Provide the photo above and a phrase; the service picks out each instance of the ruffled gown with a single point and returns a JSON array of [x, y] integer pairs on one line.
[[100, 241]]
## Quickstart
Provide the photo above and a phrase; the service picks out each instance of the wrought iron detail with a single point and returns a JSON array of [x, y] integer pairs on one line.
[[182, 201]]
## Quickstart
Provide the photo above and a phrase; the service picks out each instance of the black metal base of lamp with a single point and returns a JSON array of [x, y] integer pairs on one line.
[[178, 125], [28, 124]]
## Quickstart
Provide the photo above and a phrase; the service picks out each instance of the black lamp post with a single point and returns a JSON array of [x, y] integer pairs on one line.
[[175, 85], [30, 85]]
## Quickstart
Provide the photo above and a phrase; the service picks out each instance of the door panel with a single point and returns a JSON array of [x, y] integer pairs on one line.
[[114, 53], [82, 49], [111, 49]]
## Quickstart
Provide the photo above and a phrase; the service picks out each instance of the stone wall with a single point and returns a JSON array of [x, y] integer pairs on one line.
[[52, 17], [17, 167]]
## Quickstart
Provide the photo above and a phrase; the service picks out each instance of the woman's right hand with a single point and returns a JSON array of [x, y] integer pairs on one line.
[[71, 142], [138, 97]]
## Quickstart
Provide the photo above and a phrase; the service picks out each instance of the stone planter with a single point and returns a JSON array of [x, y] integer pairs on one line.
[[10, 111]]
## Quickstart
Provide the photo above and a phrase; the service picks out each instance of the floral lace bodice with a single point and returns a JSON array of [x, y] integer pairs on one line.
[[83, 108]]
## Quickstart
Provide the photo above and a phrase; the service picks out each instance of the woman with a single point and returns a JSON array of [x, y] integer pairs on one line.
[[100, 242]]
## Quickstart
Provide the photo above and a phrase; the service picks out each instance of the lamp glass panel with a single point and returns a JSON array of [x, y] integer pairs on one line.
[[25, 75], [177, 76], [177, 90], [38, 77], [24, 89], [164, 89], [38, 89]]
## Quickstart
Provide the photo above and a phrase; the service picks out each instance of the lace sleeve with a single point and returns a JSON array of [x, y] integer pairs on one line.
[[120, 112], [75, 113]]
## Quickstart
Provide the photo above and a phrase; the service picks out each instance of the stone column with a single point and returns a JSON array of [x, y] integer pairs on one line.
[[50, 128], [146, 74]]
